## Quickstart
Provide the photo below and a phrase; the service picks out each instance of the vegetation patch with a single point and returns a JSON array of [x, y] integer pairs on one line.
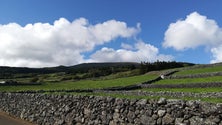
[[83, 84], [93, 77], [190, 80], [216, 68]]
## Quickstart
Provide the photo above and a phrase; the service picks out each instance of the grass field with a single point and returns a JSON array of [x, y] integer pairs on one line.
[[83, 84], [124, 79], [190, 80], [200, 70]]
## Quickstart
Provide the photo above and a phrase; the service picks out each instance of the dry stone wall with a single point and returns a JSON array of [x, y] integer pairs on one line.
[[200, 75], [92, 110]]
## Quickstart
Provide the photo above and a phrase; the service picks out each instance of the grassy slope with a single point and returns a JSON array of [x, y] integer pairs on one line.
[[112, 81], [190, 80], [83, 84], [200, 70]]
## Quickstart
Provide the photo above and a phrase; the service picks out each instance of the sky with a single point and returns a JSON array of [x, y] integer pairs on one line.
[[45, 33]]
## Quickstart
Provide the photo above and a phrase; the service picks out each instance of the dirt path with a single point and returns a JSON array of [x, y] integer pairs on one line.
[[8, 120]]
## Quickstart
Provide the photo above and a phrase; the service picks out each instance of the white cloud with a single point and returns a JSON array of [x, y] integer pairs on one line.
[[143, 52], [194, 31], [126, 46], [61, 43], [217, 54]]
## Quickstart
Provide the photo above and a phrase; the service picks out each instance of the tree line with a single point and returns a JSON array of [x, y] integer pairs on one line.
[[161, 65]]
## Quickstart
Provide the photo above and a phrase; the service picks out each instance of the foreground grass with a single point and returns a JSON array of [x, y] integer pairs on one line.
[[82, 84], [200, 70], [190, 80]]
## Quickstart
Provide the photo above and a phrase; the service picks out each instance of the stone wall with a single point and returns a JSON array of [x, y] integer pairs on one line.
[[199, 75], [167, 94], [70, 110]]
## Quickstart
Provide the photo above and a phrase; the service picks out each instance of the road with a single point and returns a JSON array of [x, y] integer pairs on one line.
[[7, 120]]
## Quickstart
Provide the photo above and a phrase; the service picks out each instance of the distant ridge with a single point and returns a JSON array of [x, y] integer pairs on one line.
[[83, 66]]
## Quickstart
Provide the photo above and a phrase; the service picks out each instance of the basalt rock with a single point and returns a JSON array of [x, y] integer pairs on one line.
[[45, 109]]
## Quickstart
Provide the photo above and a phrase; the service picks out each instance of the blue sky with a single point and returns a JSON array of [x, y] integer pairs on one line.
[[133, 30]]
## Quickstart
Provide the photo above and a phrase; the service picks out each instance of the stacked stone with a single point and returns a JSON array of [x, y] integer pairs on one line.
[[69, 109], [168, 93]]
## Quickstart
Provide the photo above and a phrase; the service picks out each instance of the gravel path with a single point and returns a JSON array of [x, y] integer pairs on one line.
[[8, 120]]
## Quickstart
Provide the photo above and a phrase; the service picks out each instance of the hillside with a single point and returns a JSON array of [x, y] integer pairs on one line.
[[88, 69], [198, 82], [16, 72]]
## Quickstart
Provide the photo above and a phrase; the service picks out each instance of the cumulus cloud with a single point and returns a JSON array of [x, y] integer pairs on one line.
[[217, 54], [60, 43], [194, 31], [140, 52], [126, 46]]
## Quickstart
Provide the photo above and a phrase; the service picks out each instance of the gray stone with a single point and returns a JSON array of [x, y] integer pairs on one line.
[[177, 113], [87, 111], [60, 122], [179, 121], [178, 103], [31, 118], [213, 120], [195, 120], [193, 104], [112, 123], [168, 120], [67, 109], [131, 116], [118, 101], [186, 122], [78, 123], [149, 112], [116, 116], [141, 102], [155, 117], [117, 110], [161, 113], [162, 101], [83, 120], [209, 122], [216, 119], [159, 121], [57, 109], [146, 120], [22, 115], [208, 108], [137, 112]]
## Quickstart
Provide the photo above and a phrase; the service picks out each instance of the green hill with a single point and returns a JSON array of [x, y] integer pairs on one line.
[[199, 82]]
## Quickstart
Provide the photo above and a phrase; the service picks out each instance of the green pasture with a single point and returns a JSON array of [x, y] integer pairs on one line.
[[62, 81], [200, 70], [190, 80], [82, 84]]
